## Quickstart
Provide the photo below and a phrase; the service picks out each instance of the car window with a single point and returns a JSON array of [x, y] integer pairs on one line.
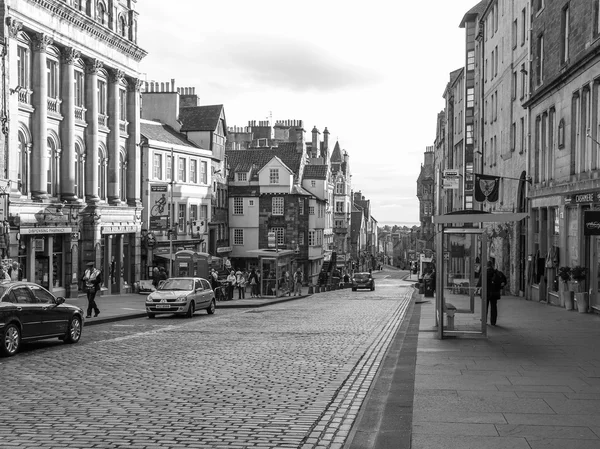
[[177, 284], [205, 284], [361, 276], [22, 295], [197, 284], [42, 295]]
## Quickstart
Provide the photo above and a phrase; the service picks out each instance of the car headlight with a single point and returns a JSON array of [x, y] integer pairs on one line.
[[149, 298], [182, 298]]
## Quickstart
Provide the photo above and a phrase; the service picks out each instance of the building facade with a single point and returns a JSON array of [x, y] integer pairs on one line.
[[71, 160]]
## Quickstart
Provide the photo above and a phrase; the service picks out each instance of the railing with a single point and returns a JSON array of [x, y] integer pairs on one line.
[[54, 105], [123, 126], [80, 113], [25, 96], [103, 120]]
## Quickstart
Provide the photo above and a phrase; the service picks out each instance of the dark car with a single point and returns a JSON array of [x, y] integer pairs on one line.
[[363, 280], [29, 312]]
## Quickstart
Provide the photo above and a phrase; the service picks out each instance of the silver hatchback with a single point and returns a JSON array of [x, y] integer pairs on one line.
[[181, 296]]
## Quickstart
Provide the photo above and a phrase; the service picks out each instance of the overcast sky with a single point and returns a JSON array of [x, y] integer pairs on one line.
[[372, 72]]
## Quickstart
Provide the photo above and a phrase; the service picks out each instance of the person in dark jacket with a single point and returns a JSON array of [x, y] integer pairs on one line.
[[92, 280], [494, 286]]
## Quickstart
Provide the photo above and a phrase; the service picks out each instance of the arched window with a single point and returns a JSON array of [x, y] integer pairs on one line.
[[23, 164], [123, 174], [101, 13], [53, 168], [122, 26], [102, 162], [79, 188]]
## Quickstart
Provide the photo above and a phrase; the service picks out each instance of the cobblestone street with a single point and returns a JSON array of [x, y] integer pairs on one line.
[[285, 376]]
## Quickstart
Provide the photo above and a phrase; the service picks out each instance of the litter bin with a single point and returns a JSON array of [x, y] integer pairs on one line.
[[428, 287]]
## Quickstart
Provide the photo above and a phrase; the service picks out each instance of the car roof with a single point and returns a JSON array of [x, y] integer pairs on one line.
[[362, 272], [187, 278]]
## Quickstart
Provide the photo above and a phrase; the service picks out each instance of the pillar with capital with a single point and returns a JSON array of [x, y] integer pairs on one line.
[[14, 27], [134, 157], [114, 138], [67, 167], [40, 160], [91, 132]]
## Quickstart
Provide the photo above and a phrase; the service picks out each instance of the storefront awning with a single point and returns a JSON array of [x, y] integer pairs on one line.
[[166, 256]]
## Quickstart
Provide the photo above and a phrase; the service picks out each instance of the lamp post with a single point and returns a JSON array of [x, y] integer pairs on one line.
[[171, 214]]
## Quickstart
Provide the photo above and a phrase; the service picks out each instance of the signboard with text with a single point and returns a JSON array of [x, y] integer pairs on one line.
[[591, 222]]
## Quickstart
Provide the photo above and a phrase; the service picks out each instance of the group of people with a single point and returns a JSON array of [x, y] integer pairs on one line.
[[240, 280]]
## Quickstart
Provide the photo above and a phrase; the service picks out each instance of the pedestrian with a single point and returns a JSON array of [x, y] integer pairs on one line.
[[231, 280], [240, 282], [298, 282], [14, 272], [258, 280], [162, 275], [214, 278], [253, 280], [4, 275], [494, 285], [155, 277], [92, 279]]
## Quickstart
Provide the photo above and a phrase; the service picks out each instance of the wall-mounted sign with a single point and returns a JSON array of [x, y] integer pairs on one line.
[[583, 198], [450, 179], [57, 230], [224, 249], [591, 222], [159, 223]]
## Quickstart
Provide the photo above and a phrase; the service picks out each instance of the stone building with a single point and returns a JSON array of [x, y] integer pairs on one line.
[[71, 162]]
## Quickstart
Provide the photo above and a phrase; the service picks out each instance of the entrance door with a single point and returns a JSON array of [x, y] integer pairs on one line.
[[595, 271]]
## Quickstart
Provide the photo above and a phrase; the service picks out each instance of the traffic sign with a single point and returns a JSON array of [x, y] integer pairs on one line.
[[151, 239]]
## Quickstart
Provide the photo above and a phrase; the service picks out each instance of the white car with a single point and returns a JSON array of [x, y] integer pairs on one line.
[[181, 296]]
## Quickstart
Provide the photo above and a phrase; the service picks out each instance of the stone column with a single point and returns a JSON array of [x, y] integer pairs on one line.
[[114, 181], [91, 132], [67, 167], [39, 160], [134, 157], [13, 26]]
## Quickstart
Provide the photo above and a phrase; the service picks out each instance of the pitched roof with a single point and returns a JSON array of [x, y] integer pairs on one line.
[[336, 156], [474, 12], [160, 132], [254, 159], [200, 118], [315, 171]]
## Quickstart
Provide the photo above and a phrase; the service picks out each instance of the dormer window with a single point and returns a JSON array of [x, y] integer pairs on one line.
[[242, 176]]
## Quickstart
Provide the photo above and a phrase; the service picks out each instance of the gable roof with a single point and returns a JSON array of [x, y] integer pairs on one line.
[[254, 159], [315, 172], [160, 132], [200, 118], [474, 12]]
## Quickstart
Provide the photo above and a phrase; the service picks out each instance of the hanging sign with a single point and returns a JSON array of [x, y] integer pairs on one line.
[[450, 179]]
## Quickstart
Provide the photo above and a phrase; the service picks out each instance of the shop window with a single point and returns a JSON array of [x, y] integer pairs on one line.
[[57, 261]]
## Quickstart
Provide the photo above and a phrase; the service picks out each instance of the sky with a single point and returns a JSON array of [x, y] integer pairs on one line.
[[372, 72]]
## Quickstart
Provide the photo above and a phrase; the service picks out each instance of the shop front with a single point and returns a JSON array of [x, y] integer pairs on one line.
[[119, 246], [276, 271], [161, 254]]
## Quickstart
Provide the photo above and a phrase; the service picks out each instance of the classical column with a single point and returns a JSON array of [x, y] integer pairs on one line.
[[91, 132], [39, 160], [14, 27], [134, 158], [114, 138], [67, 167]]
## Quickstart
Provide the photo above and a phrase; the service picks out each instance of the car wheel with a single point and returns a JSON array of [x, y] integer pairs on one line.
[[372, 287], [353, 289], [211, 309], [191, 310], [11, 340], [74, 330], [150, 315]]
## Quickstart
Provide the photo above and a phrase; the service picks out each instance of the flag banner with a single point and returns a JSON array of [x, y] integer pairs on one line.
[[487, 188]]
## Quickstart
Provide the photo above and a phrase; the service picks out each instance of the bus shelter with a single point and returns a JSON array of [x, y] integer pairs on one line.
[[461, 284], [275, 271]]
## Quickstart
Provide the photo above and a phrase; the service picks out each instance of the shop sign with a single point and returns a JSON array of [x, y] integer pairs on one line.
[[57, 230], [583, 198], [224, 249], [159, 223], [159, 188], [119, 229], [591, 222], [271, 239], [450, 179]]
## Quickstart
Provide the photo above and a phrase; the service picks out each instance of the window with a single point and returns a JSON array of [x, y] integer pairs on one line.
[[564, 35], [513, 136], [523, 80], [277, 205], [311, 210], [169, 176], [551, 120], [496, 62], [157, 166], [471, 60], [470, 97], [539, 4], [301, 206], [596, 18], [250, 203], [102, 173], [101, 13], [23, 67], [242, 176], [561, 134], [313, 183], [122, 26], [469, 134], [193, 212], [522, 139], [79, 86], [279, 235], [514, 86], [238, 206], [492, 62], [194, 171], [274, 176], [52, 78], [122, 104], [515, 32], [339, 188], [182, 170], [203, 173], [122, 175], [301, 238], [238, 236], [339, 206], [204, 212], [312, 238], [102, 106], [79, 187], [539, 60], [523, 28], [181, 217]]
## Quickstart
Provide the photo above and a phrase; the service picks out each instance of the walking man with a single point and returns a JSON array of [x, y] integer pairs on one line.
[[298, 282], [92, 279]]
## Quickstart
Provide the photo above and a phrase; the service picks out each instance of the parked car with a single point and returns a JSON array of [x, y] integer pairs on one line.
[[29, 312], [181, 296], [146, 287], [363, 280]]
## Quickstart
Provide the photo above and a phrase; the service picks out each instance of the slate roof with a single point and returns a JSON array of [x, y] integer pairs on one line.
[[474, 12], [200, 118], [160, 132], [244, 160], [336, 156], [315, 171]]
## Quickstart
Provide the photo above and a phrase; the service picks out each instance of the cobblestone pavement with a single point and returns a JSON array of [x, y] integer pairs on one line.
[[291, 375]]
